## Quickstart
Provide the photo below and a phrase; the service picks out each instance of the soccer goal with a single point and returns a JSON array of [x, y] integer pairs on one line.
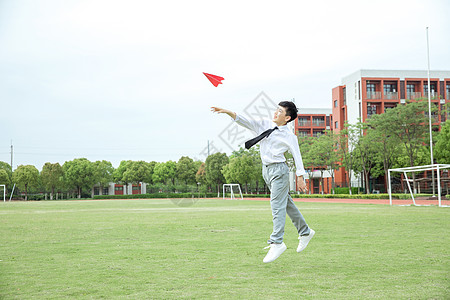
[[232, 189], [2, 186], [434, 167]]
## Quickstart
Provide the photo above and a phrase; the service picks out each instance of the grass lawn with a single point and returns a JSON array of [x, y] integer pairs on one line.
[[154, 249]]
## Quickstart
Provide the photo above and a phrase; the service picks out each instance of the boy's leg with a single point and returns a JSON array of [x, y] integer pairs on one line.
[[296, 217], [279, 188]]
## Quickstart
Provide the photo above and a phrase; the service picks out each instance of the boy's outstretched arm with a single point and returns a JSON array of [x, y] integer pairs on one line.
[[224, 111]]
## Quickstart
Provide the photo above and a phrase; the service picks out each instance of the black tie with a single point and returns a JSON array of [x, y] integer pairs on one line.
[[252, 142]]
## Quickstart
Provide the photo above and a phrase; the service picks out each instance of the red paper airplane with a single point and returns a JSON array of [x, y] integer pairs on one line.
[[215, 80]]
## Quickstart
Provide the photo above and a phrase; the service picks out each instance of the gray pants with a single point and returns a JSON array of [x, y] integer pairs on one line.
[[276, 177]]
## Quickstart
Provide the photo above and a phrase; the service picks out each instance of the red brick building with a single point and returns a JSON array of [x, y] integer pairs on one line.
[[368, 92]]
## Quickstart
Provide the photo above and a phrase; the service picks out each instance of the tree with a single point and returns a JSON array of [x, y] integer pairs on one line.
[[165, 171], [323, 154], [409, 125], [26, 177], [442, 148], [365, 152], [246, 168], [346, 143], [52, 176], [239, 169], [79, 173], [305, 143], [118, 174], [200, 176], [186, 170], [103, 173], [214, 165], [137, 171], [4, 178], [387, 145]]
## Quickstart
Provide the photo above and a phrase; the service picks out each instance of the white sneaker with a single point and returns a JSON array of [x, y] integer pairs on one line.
[[275, 251], [304, 240]]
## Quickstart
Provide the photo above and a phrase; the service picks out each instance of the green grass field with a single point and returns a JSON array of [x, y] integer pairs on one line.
[[154, 249]]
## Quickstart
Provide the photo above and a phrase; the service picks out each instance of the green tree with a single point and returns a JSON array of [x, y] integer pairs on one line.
[[4, 178], [365, 152], [347, 140], [306, 143], [118, 174], [214, 165], [410, 125], [137, 171], [79, 174], [26, 177], [186, 170], [151, 166], [442, 148], [323, 155], [249, 163], [165, 171], [200, 176], [52, 176], [239, 169], [387, 144], [103, 173]]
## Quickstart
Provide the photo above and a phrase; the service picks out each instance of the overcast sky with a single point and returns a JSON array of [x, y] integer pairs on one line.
[[119, 80]]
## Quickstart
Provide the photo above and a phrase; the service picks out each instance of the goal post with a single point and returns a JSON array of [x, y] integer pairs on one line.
[[433, 167], [234, 189]]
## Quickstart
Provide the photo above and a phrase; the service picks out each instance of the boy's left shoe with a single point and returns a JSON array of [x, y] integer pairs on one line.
[[304, 240], [275, 251]]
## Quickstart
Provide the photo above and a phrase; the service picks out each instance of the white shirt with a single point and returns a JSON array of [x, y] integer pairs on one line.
[[273, 147]]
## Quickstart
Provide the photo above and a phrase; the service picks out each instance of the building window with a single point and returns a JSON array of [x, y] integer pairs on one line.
[[371, 110], [448, 91], [370, 87], [371, 91], [336, 124], [318, 121], [302, 121], [390, 91], [433, 90], [303, 133], [336, 102]]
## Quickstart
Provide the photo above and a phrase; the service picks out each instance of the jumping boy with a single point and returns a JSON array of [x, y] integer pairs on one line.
[[275, 139]]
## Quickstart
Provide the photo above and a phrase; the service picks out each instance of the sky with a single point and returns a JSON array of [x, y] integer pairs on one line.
[[122, 80]]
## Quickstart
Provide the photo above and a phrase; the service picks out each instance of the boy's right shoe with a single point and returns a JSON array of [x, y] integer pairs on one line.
[[304, 240], [275, 251]]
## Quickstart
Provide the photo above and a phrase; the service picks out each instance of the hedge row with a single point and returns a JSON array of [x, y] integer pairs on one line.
[[158, 196]]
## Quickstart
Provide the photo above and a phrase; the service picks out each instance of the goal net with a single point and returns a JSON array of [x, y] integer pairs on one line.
[[405, 171], [231, 190]]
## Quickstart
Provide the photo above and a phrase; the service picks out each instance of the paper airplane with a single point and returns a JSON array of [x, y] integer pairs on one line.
[[215, 80]]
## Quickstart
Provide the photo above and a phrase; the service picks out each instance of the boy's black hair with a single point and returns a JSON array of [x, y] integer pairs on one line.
[[291, 109]]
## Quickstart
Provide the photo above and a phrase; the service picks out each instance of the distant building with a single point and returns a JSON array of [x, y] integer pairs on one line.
[[312, 122], [369, 92]]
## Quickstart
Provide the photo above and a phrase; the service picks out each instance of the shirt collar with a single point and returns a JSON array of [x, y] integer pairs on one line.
[[282, 128]]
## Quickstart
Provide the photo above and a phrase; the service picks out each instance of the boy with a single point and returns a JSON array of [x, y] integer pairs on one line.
[[275, 139]]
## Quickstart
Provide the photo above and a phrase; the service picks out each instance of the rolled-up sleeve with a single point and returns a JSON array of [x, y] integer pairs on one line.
[[295, 151]]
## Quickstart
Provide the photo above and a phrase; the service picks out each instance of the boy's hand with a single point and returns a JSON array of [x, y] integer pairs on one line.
[[223, 111], [218, 110], [301, 185]]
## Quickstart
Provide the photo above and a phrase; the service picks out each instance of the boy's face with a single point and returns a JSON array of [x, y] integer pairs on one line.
[[279, 117]]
